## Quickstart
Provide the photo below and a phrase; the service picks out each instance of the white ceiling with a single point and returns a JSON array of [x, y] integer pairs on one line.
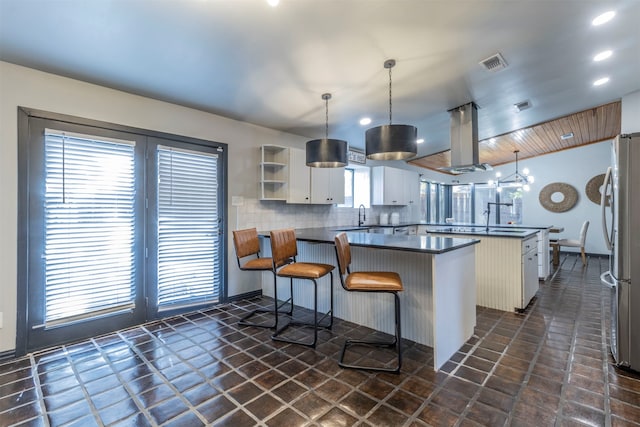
[[246, 60]]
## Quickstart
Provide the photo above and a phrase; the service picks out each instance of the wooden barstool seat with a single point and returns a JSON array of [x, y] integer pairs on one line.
[[247, 244], [371, 281], [284, 251]]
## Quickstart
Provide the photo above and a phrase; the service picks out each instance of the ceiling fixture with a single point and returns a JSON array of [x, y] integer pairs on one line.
[[465, 150], [566, 136], [605, 17], [327, 153], [516, 179], [495, 62], [601, 81], [520, 106], [391, 142], [420, 140], [602, 55], [273, 3], [365, 121]]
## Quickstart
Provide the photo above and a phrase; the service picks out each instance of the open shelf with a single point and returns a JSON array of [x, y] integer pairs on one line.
[[274, 172]]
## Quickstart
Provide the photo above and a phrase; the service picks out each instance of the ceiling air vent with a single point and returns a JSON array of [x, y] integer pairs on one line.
[[566, 136], [522, 106], [494, 63]]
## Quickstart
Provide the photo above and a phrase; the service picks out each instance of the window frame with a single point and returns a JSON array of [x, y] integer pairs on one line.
[[25, 245]]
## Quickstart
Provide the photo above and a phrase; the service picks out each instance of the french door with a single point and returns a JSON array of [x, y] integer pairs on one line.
[[121, 227]]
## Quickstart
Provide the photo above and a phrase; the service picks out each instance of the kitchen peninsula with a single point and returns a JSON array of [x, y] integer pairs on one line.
[[438, 303]]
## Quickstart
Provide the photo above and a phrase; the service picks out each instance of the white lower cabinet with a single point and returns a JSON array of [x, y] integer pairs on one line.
[[506, 271]]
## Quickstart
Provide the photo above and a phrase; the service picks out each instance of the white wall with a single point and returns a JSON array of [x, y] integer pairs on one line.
[[575, 167], [29, 88]]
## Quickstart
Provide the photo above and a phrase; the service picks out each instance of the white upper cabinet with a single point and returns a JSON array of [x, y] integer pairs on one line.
[[320, 186], [299, 177], [393, 186], [327, 186]]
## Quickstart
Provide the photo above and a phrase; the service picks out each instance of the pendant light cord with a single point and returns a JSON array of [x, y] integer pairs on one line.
[[326, 117], [390, 95]]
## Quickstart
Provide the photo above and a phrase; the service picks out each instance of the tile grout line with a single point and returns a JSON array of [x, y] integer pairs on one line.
[[124, 384]]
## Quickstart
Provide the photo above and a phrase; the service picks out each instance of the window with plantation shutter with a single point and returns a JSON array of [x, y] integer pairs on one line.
[[188, 264], [117, 226], [89, 226]]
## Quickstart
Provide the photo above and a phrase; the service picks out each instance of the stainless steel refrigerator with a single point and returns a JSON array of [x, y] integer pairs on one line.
[[620, 205]]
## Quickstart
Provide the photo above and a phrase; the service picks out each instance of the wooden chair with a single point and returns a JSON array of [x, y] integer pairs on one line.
[[374, 281], [284, 251], [247, 244], [573, 243]]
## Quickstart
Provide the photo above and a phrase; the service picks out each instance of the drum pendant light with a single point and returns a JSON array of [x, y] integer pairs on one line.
[[327, 153], [391, 142]]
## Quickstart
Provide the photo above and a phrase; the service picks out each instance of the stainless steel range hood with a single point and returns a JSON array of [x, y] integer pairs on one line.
[[464, 141]]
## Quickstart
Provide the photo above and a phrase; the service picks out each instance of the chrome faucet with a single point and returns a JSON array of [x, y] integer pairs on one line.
[[488, 211], [362, 215]]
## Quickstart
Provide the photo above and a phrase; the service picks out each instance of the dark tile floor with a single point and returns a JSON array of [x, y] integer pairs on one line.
[[547, 366]]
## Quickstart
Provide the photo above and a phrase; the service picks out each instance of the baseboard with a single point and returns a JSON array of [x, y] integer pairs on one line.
[[247, 295], [6, 355]]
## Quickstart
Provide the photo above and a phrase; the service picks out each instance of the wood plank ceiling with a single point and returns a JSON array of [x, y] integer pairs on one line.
[[588, 127]]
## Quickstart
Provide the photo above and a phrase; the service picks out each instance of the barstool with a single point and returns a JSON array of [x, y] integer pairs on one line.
[[284, 252], [370, 281], [247, 244]]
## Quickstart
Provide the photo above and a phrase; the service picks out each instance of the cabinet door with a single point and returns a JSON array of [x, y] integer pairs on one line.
[[412, 187], [327, 185], [529, 270], [299, 177], [388, 186], [336, 185]]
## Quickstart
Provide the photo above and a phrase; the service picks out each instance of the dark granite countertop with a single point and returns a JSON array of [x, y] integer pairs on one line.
[[469, 230], [358, 237]]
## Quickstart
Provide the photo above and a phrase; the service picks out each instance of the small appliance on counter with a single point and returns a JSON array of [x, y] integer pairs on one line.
[[395, 218], [384, 218]]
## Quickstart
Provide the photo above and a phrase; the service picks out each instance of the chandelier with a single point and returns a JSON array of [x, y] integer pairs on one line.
[[516, 179]]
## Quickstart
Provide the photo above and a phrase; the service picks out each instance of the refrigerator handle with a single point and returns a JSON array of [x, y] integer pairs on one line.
[[603, 207], [608, 283]]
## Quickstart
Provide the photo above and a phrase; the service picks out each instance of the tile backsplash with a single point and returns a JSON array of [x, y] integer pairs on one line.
[[271, 215]]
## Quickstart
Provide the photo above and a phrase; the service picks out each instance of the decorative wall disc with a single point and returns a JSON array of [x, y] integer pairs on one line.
[[593, 189], [569, 197]]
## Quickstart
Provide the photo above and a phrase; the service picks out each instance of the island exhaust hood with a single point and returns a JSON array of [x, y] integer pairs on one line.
[[464, 141]]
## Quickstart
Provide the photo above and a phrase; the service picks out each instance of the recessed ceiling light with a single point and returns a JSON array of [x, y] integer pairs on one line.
[[601, 81], [605, 17], [420, 140], [365, 121], [602, 55], [273, 3]]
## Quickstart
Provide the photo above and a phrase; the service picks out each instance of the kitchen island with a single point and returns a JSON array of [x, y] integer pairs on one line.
[[506, 266], [437, 304]]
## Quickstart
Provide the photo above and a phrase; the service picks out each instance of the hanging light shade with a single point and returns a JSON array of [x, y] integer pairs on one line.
[[391, 142], [325, 152]]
